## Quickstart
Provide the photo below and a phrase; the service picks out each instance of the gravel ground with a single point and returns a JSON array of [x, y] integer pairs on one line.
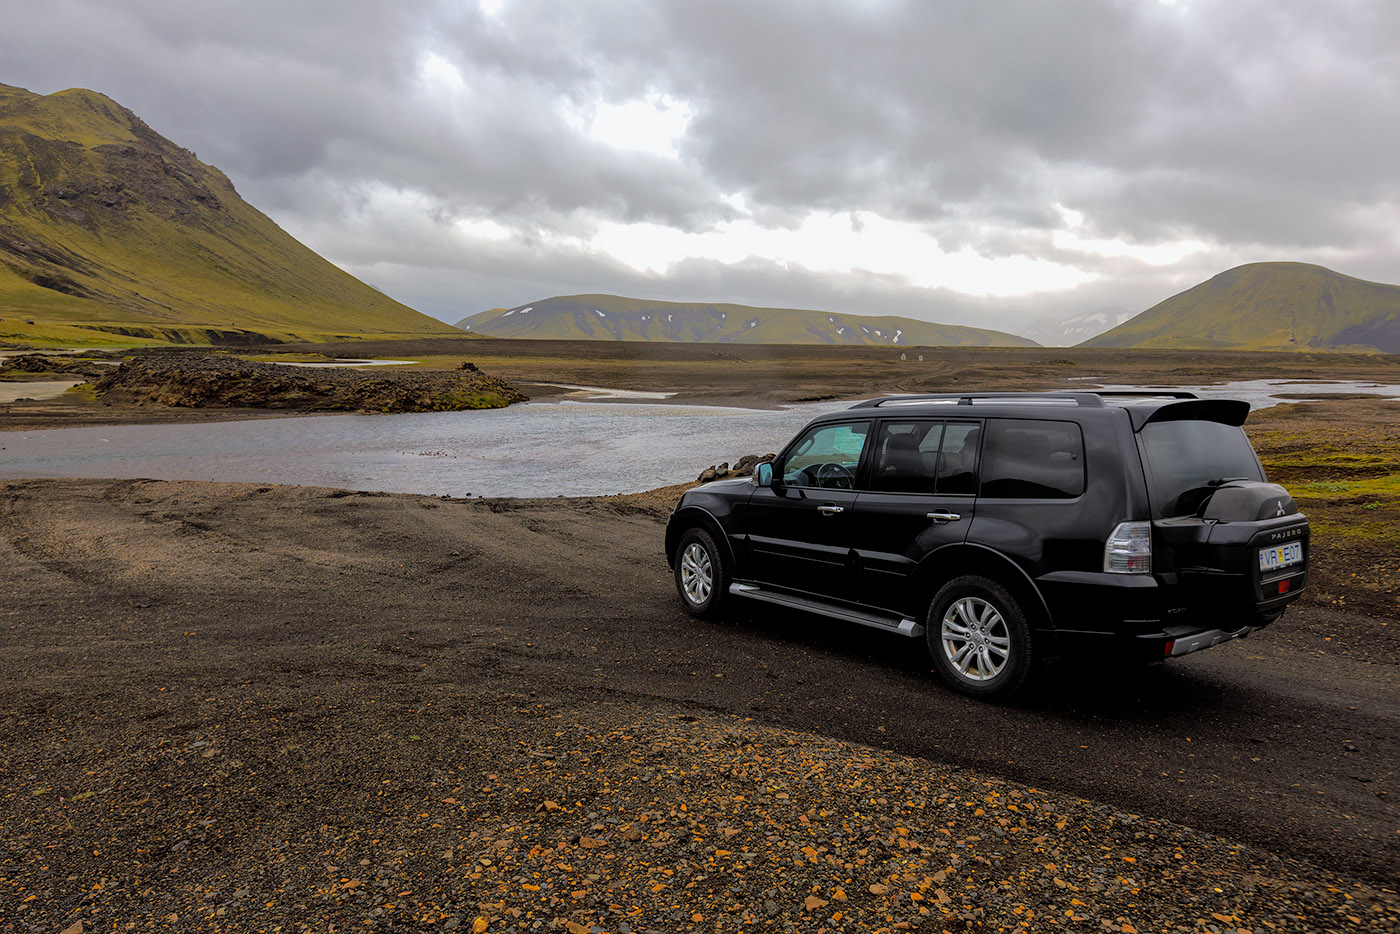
[[209, 726], [603, 819]]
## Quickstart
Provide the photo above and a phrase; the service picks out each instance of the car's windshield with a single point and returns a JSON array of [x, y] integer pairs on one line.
[[1187, 459]]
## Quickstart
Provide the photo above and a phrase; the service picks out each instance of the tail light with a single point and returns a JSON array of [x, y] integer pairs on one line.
[[1129, 549]]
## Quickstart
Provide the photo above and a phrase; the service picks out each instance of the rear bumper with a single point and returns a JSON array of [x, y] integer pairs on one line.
[[1156, 616], [1150, 646], [1194, 642]]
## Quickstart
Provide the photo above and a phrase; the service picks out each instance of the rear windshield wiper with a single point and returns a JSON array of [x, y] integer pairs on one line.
[[1190, 500]]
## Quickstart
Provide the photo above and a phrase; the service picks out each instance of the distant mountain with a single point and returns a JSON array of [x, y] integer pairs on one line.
[[1070, 331], [1269, 306], [109, 231], [613, 318]]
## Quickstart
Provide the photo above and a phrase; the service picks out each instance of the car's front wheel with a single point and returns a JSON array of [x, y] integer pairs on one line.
[[979, 637], [702, 579]]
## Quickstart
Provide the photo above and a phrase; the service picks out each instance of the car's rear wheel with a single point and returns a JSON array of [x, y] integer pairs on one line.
[[979, 638], [702, 579]]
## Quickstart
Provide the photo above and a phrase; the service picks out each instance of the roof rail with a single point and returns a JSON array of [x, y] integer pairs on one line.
[[1147, 394], [1084, 399]]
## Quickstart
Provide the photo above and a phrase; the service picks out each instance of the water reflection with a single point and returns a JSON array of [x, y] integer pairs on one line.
[[538, 449]]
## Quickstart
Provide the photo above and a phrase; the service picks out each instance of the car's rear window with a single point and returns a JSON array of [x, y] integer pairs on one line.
[[1188, 459], [1032, 459]]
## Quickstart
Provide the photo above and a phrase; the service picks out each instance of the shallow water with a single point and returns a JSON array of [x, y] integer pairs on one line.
[[545, 449], [1263, 393], [537, 449], [342, 364]]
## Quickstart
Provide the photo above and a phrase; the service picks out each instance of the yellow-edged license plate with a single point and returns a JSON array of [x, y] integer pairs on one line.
[[1280, 556]]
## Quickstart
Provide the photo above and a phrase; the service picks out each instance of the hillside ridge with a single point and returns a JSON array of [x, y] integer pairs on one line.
[[618, 318], [110, 232], [1268, 306]]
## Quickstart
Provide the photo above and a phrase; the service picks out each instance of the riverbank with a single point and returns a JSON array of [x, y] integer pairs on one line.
[[153, 385], [1336, 456], [237, 707], [754, 376]]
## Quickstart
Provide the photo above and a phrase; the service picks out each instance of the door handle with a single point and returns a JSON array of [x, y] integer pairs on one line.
[[830, 510], [943, 515]]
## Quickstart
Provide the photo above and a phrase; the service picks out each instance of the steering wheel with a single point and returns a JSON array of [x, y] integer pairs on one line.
[[835, 477]]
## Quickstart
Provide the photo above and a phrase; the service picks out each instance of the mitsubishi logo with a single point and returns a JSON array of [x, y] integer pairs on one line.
[[1280, 508]]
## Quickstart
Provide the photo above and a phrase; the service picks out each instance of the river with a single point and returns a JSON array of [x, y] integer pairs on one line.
[[572, 448]]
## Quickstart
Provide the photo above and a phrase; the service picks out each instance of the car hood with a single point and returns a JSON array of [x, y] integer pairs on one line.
[[732, 485]]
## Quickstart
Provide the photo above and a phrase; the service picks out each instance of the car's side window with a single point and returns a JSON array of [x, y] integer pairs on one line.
[[1032, 459], [957, 463], [926, 456], [906, 456], [827, 456]]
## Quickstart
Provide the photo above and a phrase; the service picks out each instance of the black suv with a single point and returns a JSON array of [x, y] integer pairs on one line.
[[1007, 528]]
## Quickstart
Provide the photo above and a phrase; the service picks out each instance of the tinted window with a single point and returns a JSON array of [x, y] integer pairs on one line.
[[906, 457], [926, 457], [1185, 459], [957, 468], [1033, 459], [826, 456]]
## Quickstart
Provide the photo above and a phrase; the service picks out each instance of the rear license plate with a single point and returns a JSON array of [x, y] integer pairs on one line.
[[1280, 556]]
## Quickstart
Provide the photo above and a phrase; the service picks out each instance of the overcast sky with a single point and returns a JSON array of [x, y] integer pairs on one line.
[[966, 161]]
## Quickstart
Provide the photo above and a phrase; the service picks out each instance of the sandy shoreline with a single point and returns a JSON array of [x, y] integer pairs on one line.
[[38, 391]]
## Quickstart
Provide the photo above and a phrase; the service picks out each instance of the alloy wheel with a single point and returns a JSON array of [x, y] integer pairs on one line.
[[975, 638], [697, 574]]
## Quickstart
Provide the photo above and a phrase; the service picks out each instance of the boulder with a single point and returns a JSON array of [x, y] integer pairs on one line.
[[743, 467]]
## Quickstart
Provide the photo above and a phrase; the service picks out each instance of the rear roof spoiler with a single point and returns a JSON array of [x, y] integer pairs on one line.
[[1224, 411]]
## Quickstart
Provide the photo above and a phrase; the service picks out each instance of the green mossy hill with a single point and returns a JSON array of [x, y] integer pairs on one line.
[[112, 234], [614, 318], [195, 380], [1268, 306]]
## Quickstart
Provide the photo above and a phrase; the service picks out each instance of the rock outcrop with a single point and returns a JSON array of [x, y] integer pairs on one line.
[[31, 364], [219, 381]]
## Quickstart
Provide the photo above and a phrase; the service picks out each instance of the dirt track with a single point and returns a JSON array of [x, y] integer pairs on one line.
[[235, 707]]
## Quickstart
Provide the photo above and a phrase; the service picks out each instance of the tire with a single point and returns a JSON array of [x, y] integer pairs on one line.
[[702, 577], [979, 638]]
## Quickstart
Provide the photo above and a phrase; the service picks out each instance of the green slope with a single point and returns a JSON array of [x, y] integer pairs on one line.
[[109, 232], [1268, 306], [611, 317]]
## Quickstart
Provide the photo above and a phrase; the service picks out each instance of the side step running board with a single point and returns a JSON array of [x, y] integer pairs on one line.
[[903, 627]]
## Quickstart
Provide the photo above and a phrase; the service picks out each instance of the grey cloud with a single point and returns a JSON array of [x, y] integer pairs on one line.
[[1263, 127]]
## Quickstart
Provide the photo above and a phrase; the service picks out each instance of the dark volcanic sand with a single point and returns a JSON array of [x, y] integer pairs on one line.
[[229, 707]]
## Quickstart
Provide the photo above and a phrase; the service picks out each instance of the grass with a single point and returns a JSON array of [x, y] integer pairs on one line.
[[1381, 488], [144, 238], [1376, 532], [1262, 306], [1310, 489], [289, 358], [1338, 459]]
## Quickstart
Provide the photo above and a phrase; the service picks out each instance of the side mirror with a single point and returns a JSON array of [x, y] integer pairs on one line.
[[763, 474]]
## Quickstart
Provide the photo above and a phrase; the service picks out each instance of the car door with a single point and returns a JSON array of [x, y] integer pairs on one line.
[[920, 495], [798, 529]]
